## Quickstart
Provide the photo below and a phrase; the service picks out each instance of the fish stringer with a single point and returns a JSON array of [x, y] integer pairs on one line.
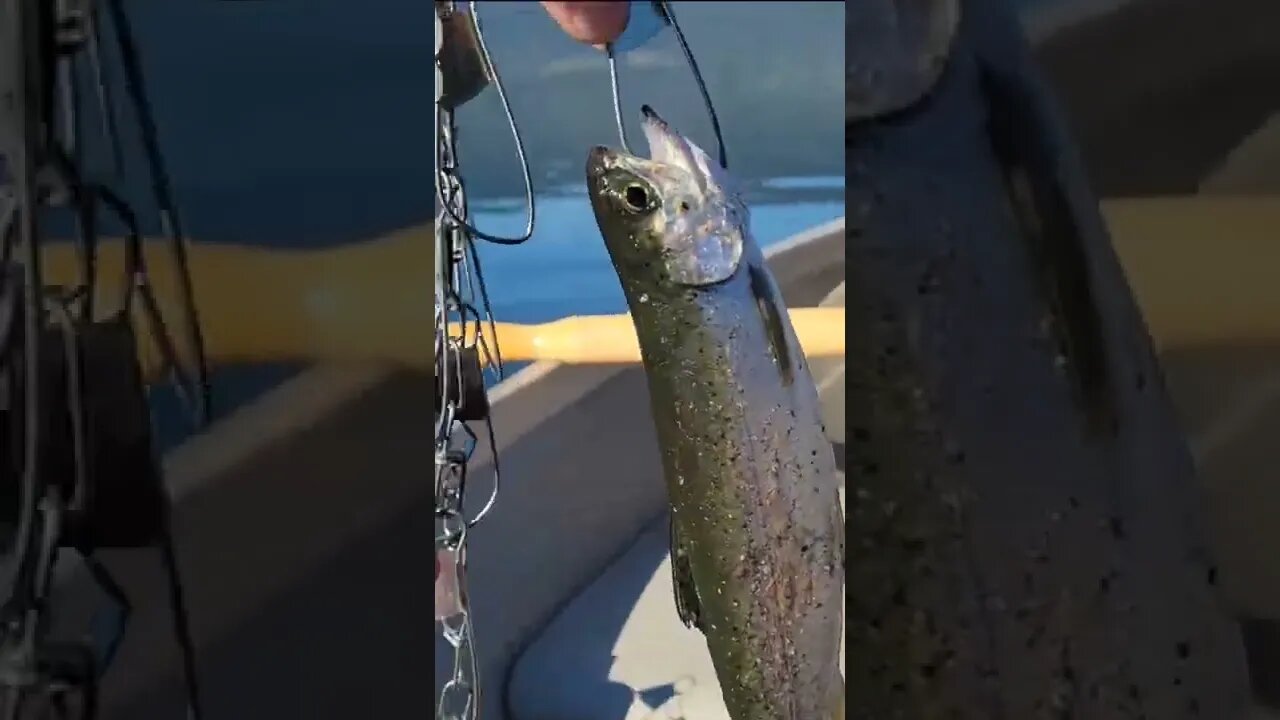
[[462, 352]]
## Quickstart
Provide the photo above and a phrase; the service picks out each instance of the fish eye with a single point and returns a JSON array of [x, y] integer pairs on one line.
[[636, 197]]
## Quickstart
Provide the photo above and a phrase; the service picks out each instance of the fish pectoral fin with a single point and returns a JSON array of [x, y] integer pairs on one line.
[[687, 605], [771, 315], [1054, 231]]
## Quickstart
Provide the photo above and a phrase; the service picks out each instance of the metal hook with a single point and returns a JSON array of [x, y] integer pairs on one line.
[[617, 97], [663, 9]]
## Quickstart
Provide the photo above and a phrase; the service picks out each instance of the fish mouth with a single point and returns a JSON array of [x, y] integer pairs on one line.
[[668, 147], [599, 159]]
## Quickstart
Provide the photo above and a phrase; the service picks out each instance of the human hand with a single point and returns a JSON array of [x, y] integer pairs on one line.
[[595, 23]]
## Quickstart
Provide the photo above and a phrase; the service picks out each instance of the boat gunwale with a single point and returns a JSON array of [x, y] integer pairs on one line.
[[323, 388]]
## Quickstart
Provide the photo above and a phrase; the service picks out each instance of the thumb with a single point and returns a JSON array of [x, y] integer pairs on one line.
[[591, 22]]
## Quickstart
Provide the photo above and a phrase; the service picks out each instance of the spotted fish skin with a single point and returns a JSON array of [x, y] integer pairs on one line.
[[757, 529], [1025, 537]]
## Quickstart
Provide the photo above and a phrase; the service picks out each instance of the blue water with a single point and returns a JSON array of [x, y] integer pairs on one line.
[[564, 269]]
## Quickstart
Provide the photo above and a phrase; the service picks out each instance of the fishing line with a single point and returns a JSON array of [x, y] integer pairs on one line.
[[473, 263], [48, 72], [469, 313], [23, 172], [483, 289], [617, 97], [7, 218], [170, 222], [668, 17], [103, 94], [665, 7]]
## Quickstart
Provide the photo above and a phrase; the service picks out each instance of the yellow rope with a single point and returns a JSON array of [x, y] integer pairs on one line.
[[1203, 268], [612, 338]]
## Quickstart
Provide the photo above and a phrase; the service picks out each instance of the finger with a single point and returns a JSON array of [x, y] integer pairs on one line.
[[594, 23]]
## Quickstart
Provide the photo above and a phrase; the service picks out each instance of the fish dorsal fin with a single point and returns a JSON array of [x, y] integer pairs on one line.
[[772, 317], [687, 604]]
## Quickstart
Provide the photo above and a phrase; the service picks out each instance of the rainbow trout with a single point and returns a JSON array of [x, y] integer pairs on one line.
[[757, 534]]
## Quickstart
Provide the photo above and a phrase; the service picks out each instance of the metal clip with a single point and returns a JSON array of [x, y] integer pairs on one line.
[[449, 192], [462, 72], [460, 696]]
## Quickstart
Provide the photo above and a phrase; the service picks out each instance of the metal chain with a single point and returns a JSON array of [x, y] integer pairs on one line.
[[458, 336], [454, 443]]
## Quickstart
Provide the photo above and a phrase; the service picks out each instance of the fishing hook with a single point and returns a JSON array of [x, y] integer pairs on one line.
[[663, 9]]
